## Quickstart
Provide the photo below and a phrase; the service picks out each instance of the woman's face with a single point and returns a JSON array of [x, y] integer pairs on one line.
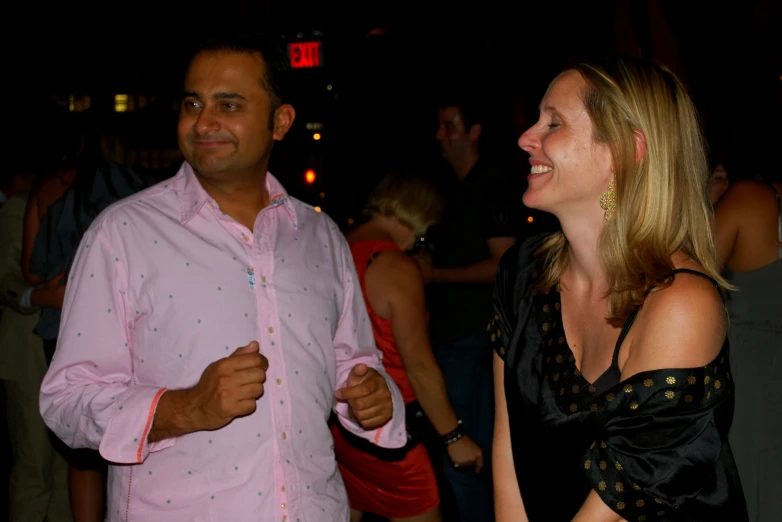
[[569, 170]]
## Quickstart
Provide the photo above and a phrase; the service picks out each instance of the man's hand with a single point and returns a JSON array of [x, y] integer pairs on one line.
[[367, 394], [465, 453], [229, 388]]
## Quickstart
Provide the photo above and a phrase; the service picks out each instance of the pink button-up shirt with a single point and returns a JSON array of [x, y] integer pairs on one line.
[[163, 285]]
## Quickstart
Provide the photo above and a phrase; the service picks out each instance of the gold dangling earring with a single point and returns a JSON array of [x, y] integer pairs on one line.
[[608, 200]]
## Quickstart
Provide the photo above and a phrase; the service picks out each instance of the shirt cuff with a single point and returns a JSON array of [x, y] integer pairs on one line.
[[391, 435], [24, 301], [125, 438]]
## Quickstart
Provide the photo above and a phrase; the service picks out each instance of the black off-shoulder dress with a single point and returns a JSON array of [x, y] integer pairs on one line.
[[654, 447]]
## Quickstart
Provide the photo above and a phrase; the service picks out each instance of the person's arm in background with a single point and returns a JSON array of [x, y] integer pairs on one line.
[[501, 216], [13, 286], [481, 272], [395, 291]]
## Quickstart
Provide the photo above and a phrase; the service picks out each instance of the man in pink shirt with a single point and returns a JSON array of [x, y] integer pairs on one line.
[[212, 323]]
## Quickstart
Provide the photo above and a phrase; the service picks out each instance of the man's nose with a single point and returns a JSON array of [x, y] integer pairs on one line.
[[440, 134], [206, 122]]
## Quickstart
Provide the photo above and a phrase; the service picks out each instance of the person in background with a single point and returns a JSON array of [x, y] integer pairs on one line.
[[38, 486], [613, 381], [481, 221], [401, 486], [748, 227], [86, 470]]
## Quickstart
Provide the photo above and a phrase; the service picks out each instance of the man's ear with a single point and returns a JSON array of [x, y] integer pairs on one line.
[[283, 120]]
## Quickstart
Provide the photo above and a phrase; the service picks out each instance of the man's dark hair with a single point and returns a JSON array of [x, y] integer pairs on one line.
[[275, 80]]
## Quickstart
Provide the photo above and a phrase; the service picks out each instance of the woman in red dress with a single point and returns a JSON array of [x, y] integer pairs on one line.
[[400, 485]]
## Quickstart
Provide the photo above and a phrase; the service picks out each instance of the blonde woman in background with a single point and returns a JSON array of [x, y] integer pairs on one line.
[[401, 484]]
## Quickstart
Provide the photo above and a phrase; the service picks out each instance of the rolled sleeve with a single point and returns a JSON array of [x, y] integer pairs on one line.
[[90, 397], [354, 344]]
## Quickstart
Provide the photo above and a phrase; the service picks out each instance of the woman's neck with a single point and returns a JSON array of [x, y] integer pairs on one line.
[[585, 271]]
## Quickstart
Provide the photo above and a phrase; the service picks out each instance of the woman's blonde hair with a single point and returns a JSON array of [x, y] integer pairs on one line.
[[410, 198], [661, 201]]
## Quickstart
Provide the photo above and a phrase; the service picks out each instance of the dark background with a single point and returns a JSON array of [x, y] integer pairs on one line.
[[388, 64]]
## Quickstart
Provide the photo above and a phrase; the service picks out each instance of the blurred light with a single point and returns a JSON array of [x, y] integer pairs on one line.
[[314, 125], [71, 104], [309, 176], [322, 195], [316, 136], [530, 219], [329, 87], [120, 102], [317, 209], [350, 221]]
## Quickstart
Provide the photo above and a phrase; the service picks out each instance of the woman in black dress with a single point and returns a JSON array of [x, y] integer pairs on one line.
[[614, 393]]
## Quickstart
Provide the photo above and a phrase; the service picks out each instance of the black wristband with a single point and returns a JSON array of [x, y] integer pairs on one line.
[[453, 436]]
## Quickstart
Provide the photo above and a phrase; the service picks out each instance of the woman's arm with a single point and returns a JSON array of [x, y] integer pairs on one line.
[[395, 283], [508, 505]]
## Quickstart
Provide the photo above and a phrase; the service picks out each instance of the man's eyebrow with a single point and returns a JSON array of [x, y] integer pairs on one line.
[[228, 96], [216, 96]]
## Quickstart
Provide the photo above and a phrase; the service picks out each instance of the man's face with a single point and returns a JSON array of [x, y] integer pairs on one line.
[[226, 124], [454, 139]]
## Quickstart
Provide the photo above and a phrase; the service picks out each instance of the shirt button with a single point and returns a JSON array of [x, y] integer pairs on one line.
[[279, 381], [271, 329], [284, 435], [282, 489], [284, 505], [263, 279]]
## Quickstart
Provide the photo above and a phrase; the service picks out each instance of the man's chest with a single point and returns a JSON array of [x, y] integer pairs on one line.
[[193, 299]]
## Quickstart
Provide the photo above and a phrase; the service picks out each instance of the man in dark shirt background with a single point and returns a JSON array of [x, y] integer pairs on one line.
[[481, 222]]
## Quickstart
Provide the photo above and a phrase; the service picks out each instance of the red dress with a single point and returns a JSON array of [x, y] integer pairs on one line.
[[401, 489]]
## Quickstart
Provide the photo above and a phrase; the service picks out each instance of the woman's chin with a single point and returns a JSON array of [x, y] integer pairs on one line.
[[531, 199]]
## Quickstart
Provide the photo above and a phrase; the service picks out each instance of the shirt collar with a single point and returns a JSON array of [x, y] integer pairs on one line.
[[192, 195]]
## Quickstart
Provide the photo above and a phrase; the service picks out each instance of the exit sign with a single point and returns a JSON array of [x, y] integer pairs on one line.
[[305, 54]]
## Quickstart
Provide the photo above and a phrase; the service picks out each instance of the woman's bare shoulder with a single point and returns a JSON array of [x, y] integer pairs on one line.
[[680, 326]]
